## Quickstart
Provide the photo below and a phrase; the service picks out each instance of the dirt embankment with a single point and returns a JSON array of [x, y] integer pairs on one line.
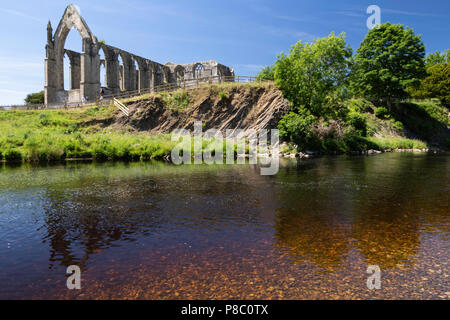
[[219, 107]]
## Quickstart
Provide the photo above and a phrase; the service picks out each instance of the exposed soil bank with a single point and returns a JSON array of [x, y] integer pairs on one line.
[[221, 107]]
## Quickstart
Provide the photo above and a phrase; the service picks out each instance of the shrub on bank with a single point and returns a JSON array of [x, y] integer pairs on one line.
[[382, 113]]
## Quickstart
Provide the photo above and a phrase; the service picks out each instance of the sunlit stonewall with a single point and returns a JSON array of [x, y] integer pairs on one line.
[[208, 147]]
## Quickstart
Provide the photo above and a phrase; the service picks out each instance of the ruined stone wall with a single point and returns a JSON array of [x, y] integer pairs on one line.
[[135, 72]]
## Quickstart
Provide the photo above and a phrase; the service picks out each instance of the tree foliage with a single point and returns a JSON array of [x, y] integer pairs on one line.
[[297, 128], [437, 58], [35, 98], [267, 73], [390, 59], [312, 72], [436, 84]]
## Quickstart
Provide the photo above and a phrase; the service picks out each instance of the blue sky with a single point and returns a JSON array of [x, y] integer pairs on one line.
[[243, 34]]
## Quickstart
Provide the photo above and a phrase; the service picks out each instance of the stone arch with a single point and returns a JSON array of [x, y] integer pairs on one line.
[[166, 74], [75, 69], [198, 70], [54, 62], [179, 73], [158, 75], [102, 66], [111, 67], [72, 20], [144, 73], [134, 74], [125, 70]]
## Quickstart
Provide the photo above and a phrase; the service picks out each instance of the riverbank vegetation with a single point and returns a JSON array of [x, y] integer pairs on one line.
[[53, 135], [343, 102]]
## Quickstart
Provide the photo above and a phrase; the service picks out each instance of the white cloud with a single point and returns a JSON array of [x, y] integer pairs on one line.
[[19, 77], [22, 14], [250, 67], [285, 32], [351, 14], [294, 19], [408, 13]]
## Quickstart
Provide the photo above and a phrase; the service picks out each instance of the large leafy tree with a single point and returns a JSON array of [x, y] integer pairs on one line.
[[390, 59], [35, 98], [313, 72]]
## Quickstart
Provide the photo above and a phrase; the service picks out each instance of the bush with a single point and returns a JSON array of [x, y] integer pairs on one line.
[[398, 125], [359, 122], [223, 96], [266, 73], [12, 155], [382, 113], [177, 101], [297, 128], [35, 98]]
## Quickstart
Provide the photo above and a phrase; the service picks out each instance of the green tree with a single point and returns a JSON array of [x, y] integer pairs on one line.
[[390, 59], [266, 73], [297, 128], [437, 58], [35, 98], [436, 84], [313, 72]]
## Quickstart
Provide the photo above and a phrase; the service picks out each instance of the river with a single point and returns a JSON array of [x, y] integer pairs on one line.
[[160, 231]]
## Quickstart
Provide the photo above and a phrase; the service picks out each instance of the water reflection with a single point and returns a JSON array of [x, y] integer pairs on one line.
[[324, 213], [312, 237], [95, 212], [330, 207]]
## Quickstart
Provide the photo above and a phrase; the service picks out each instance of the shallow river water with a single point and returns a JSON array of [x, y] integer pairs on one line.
[[159, 231]]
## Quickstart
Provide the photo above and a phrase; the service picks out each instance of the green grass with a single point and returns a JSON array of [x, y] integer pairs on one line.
[[57, 135], [54, 135], [177, 101], [396, 143]]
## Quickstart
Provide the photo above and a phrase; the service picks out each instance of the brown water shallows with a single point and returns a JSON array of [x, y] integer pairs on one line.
[[157, 231]]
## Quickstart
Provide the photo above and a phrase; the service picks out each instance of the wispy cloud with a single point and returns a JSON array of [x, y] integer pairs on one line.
[[18, 77], [408, 13], [21, 14], [155, 9], [293, 19], [250, 67], [350, 13], [7, 91], [17, 64], [287, 32], [306, 36]]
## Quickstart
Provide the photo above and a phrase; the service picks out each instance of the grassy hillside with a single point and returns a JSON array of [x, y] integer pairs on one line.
[[98, 132], [52, 135]]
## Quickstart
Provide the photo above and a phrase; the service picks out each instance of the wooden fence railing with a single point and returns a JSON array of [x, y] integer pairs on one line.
[[108, 99], [121, 107]]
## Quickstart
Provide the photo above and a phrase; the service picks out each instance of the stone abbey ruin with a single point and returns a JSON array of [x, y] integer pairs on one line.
[[85, 66]]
